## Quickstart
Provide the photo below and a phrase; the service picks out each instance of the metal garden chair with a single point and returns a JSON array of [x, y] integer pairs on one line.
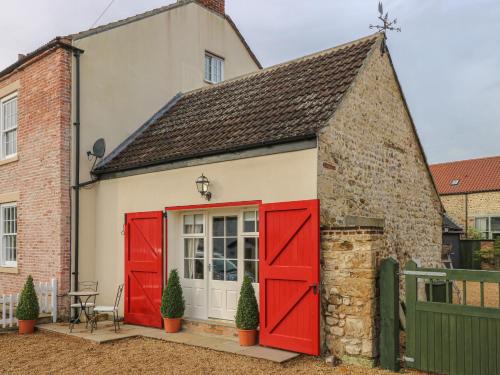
[[108, 309]]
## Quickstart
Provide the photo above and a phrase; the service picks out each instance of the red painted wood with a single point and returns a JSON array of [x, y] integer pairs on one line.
[[289, 267], [213, 205], [143, 268]]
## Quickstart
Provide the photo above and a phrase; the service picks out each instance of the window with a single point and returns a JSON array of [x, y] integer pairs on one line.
[[251, 245], [194, 246], [8, 217], [488, 226], [8, 126], [214, 68], [225, 248], [455, 182]]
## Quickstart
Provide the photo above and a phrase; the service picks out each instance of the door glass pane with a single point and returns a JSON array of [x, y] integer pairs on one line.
[[249, 222], [218, 224], [198, 223], [218, 270], [251, 248], [188, 269], [199, 269], [232, 248], [231, 226], [188, 248], [231, 270], [251, 270], [218, 248], [188, 224]]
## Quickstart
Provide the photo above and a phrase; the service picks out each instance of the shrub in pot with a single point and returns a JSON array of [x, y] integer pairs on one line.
[[27, 310], [247, 314], [172, 303]]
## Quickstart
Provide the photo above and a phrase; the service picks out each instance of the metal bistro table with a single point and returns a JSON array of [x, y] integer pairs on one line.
[[80, 297]]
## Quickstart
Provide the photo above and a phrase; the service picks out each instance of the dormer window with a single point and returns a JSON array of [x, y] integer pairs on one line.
[[455, 182], [214, 68]]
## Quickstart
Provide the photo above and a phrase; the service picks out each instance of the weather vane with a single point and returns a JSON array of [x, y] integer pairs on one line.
[[388, 25]]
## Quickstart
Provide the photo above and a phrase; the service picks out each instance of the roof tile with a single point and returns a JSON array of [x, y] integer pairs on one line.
[[279, 104], [473, 175]]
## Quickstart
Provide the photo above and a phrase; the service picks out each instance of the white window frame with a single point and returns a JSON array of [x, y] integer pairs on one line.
[[3, 262], [489, 233], [255, 235], [211, 73], [6, 99], [201, 236]]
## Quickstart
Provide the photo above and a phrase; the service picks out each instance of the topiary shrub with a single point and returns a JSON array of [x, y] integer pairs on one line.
[[172, 301], [27, 307], [247, 314]]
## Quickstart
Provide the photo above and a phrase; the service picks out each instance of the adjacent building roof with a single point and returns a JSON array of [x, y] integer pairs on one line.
[[67, 40], [284, 103], [449, 226], [467, 176], [58, 42]]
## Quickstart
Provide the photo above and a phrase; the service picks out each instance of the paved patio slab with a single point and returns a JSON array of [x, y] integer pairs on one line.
[[105, 333]]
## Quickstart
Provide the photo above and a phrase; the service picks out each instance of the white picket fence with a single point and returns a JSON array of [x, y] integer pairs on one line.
[[47, 299]]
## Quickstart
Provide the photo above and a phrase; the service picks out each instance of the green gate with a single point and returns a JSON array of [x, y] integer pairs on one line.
[[451, 337]]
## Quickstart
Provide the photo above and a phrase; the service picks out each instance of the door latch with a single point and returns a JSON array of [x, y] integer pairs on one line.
[[315, 288], [209, 267]]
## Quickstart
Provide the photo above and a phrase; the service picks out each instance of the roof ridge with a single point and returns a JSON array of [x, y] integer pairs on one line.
[[285, 63], [465, 160], [127, 20]]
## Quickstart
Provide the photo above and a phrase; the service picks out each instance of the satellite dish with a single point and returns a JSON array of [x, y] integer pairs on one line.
[[99, 148]]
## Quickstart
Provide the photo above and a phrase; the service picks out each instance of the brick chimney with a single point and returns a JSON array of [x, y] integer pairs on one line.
[[215, 5]]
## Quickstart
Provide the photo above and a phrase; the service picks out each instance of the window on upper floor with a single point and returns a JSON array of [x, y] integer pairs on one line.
[[488, 226], [214, 68], [8, 232], [8, 126]]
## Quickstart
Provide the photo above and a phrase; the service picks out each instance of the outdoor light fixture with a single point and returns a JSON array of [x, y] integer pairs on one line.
[[202, 184]]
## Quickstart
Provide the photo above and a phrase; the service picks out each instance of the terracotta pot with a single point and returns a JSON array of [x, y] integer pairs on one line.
[[26, 326], [248, 337], [172, 325]]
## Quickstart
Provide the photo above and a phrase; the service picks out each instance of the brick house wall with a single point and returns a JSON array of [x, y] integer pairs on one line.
[[372, 173], [478, 204], [40, 177]]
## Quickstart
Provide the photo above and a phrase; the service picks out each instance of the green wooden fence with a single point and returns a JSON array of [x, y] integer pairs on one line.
[[451, 338]]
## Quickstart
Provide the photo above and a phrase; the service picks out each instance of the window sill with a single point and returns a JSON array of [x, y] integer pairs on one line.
[[10, 159], [13, 270]]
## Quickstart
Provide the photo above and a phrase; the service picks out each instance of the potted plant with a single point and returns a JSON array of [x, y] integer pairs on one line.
[[27, 308], [247, 314], [172, 303]]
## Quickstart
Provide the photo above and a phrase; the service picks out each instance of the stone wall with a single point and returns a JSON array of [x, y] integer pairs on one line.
[[38, 178], [371, 169], [371, 166], [478, 204], [350, 299]]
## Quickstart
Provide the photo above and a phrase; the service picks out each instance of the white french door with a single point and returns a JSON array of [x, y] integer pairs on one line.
[[224, 266], [219, 247]]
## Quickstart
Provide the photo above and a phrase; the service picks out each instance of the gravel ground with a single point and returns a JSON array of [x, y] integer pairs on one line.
[[49, 353]]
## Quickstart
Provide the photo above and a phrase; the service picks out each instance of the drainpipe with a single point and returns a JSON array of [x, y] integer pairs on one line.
[[466, 215], [77, 168]]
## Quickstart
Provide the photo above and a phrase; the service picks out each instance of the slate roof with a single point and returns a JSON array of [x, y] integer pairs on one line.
[[288, 102], [450, 226], [475, 175]]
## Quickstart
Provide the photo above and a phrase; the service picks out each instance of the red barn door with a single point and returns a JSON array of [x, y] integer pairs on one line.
[[143, 268], [289, 276]]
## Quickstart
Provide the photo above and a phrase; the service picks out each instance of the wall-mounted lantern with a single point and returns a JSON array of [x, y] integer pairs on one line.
[[202, 184]]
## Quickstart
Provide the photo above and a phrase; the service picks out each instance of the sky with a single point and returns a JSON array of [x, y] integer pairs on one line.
[[447, 56]]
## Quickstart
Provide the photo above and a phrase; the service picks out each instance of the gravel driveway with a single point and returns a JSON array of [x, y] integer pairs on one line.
[[49, 353]]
